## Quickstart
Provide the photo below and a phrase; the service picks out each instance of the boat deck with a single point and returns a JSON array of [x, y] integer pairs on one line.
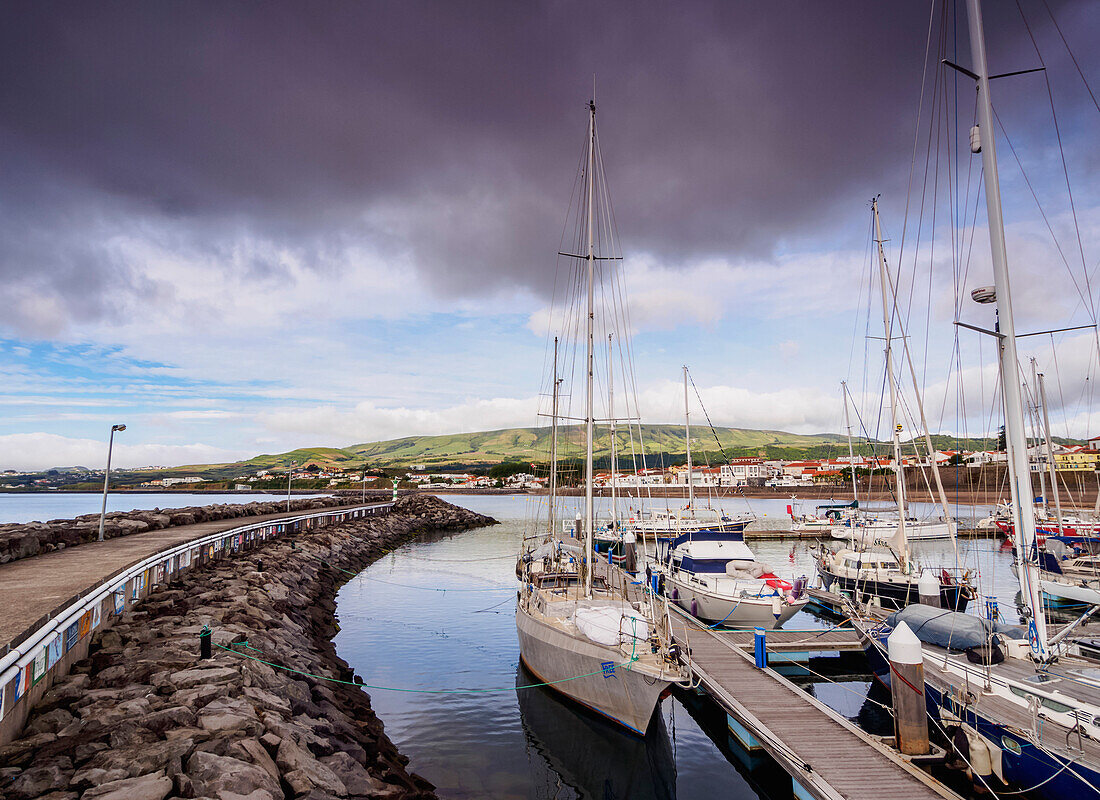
[[1053, 736], [791, 725]]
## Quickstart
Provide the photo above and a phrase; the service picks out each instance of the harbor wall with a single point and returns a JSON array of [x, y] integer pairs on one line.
[[27, 539], [139, 714]]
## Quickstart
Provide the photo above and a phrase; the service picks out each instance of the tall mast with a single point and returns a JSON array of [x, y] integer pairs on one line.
[[924, 423], [1050, 450], [554, 441], [611, 416], [687, 439], [589, 420], [851, 454], [899, 473], [1023, 511]]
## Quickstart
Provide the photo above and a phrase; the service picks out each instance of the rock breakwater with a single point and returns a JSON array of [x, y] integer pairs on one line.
[[143, 718], [24, 540]]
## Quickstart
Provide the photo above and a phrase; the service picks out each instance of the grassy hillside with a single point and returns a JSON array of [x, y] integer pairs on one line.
[[513, 444]]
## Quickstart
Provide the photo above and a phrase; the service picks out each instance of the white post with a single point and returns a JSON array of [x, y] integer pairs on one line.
[[1023, 511], [107, 477]]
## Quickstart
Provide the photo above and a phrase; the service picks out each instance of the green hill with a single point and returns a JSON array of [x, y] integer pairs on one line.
[[484, 448]]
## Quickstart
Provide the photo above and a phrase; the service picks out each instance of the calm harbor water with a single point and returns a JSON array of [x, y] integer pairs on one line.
[[437, 615], [42, 506]]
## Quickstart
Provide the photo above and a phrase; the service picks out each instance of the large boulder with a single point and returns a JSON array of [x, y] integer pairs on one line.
[[155, 786], [213, 775], [308, 772], [52, 776]]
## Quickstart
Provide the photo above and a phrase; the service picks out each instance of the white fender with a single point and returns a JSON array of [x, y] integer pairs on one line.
[[980, 762]]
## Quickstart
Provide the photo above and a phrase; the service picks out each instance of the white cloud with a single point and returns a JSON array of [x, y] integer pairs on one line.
[[368, 421], [35, 451]]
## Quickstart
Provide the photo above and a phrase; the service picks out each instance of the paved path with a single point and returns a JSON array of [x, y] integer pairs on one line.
[[33, 587]]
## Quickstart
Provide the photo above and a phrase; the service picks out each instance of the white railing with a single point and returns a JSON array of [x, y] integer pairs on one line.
[[21, 655]]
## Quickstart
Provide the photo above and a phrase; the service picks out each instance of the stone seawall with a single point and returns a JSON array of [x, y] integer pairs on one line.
[[144, 718], [27, 539]]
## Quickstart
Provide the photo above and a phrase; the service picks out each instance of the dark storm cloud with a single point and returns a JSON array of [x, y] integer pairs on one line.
[[446, 132]]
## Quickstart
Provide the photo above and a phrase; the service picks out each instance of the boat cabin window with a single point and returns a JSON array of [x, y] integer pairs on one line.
[[1053, 705], [565, 581]]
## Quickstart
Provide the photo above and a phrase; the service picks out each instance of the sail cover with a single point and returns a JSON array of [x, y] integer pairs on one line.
[[951, 629], [611, 626]]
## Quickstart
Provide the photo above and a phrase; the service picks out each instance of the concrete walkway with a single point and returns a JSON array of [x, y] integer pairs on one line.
[[32, 588]]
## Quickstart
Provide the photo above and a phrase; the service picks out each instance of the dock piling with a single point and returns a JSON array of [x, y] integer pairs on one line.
[[760, 649], [928, 587], [907, 691], [205, 636]]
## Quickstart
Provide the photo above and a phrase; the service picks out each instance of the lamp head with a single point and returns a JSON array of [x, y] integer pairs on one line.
[[118, 427]]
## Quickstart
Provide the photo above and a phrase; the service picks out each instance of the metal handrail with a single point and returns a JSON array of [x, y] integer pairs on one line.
[[24, 653]]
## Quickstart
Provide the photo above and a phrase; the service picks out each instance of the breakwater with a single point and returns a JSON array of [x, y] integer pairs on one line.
[[143, 717], [24, 540]]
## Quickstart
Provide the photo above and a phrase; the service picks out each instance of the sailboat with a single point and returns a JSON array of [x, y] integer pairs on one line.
[[1018, 698], [892, 579], [585, 630], [658, 529]]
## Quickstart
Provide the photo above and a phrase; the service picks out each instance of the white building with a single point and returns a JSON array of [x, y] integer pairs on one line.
[[188, 479]]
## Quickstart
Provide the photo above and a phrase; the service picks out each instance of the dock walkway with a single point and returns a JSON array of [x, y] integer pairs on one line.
[[32, 589], [827, 640], [827, 756]]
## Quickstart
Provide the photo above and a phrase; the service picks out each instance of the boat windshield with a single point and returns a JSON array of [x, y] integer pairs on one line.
[[562, 581]]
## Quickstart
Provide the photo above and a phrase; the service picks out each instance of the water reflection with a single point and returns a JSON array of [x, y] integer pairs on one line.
[[575, 753]]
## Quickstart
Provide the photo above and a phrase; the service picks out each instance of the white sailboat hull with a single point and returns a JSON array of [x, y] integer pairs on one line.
[[626, 695], [731, 611], [882, 531], [1073, 592]]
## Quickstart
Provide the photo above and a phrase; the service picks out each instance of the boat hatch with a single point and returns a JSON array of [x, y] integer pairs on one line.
[[1042, 678], [1090, 674]]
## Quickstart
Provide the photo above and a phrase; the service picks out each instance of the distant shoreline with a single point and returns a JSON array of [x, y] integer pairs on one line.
[[801, 494]]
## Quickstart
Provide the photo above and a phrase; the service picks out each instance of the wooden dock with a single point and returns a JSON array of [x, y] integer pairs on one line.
[[802, 640], [826, 755]]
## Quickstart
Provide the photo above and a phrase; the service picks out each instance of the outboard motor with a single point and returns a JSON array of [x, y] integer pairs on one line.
[[799, 588]]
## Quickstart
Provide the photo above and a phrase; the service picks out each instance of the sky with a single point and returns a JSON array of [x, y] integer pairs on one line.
[[240, 228]]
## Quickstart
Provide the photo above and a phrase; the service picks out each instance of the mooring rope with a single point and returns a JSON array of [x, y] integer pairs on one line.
[[600, 671]]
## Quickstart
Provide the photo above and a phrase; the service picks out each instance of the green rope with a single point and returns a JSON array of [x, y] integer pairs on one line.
[[625, 664]]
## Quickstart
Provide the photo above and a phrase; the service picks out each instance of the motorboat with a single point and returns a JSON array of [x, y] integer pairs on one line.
[[720, 581]]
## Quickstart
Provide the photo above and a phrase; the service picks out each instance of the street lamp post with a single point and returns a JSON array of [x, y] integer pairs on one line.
[[289, 475], [107, 476]]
